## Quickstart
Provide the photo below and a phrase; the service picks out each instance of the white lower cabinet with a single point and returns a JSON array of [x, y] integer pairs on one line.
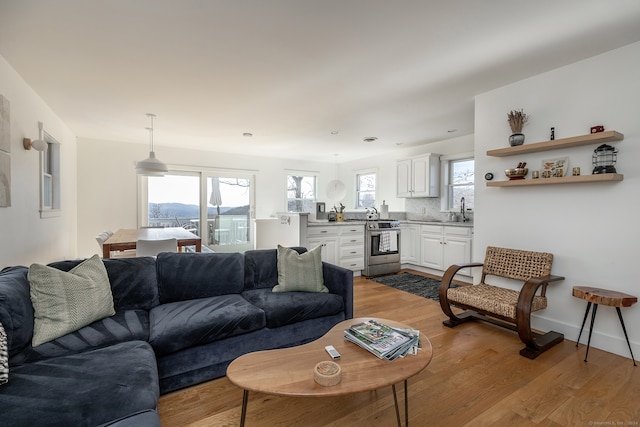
[[327, 237], [342, 245], [431, 247], [409, 243], [442, 246], [352, 247]]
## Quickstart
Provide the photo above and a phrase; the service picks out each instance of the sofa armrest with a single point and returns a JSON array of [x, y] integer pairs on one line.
[[339, 281]]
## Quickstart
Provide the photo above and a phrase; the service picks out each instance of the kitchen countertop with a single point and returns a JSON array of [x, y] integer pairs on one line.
[[432, 222], [317, 223], [402, 221]]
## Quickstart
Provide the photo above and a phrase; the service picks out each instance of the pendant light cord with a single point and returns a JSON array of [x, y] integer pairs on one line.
[[150, 129]]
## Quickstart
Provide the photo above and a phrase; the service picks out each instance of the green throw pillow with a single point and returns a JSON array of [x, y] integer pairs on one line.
[[300, 272], [64, 302]]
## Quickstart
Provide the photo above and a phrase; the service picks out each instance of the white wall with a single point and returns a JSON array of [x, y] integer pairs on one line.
[[107, 182], [25, 237], [591, 229]]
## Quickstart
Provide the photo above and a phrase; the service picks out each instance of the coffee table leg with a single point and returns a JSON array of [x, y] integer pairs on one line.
[[395, 401], [406, 405], [245, 399]]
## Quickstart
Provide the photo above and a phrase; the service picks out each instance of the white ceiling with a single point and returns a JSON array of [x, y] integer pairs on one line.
[[292, 71]]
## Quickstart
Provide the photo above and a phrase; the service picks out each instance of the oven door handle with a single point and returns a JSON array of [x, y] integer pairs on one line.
[[377, 233]]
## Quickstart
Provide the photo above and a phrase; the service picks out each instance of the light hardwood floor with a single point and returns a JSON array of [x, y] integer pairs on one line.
[[476, 378]]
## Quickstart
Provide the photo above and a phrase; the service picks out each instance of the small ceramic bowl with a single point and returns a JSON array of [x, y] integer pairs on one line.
[[516, 173]]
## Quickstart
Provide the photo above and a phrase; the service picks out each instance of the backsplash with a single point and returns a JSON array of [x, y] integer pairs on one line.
[[424, 208]]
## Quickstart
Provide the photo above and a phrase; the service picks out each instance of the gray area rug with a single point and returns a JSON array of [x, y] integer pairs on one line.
[[412, 283]]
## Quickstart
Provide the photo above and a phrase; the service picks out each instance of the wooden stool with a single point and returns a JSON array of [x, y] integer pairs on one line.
[[598, 296]]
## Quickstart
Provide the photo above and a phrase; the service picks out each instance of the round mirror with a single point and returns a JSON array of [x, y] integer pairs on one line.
[[336, 190]]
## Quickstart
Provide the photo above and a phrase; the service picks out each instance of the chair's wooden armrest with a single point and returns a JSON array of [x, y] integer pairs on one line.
[[530, 287]]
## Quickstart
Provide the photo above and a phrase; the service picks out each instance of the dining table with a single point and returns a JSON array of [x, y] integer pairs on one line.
[[127, 238]]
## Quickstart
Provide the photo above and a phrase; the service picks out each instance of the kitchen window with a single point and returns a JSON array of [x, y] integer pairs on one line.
[[459, 177], [365, 190], [301, 192]]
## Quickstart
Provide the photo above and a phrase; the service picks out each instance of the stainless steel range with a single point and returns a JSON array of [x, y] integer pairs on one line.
[[382, 247]]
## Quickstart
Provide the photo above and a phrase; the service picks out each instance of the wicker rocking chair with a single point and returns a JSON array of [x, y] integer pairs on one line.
[[504, 307]]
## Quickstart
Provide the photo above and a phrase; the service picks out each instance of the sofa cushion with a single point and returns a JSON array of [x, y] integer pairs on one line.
[[261, 267], [300, 272], [183, 324], [16, 311], [129, 325], [186, 276], [83, 389], [284, 308], [64, 302], [134, 284]]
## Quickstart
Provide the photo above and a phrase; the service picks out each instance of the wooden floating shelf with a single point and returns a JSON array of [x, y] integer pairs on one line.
[[605, 177], [575, 141]]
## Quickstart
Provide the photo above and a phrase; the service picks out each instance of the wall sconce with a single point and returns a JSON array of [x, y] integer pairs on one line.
[[39, 144]]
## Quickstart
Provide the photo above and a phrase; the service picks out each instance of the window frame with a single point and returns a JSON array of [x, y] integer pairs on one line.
[[304, 174], [447, 204], [357, 175], [49, 172]]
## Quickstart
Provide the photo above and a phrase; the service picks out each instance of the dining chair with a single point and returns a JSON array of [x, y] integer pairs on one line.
[[154, 247], [102, 237]]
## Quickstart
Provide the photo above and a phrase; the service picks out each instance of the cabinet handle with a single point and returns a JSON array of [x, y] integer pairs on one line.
[[323, 231], [354, 252]]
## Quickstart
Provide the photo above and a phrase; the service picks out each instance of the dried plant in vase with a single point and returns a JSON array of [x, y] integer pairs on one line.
[[517, 119]]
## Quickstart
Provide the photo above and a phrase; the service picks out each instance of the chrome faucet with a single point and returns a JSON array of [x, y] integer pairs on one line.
[[462, 209]]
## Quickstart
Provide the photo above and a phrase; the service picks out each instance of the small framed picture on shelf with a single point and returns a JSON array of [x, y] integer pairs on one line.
[[555, 168]]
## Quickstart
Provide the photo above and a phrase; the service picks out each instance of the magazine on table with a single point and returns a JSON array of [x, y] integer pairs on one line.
[[384, 341]]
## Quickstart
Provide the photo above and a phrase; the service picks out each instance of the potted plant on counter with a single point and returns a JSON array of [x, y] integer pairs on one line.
[[517, 119], [339, 212]]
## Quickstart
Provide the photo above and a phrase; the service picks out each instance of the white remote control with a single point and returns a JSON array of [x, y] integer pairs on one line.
[[332, 352]]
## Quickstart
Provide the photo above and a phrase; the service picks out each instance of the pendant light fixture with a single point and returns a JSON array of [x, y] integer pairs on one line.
[[151, 166]]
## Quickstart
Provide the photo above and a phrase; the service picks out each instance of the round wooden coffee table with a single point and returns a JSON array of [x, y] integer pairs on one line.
[[289, 371]]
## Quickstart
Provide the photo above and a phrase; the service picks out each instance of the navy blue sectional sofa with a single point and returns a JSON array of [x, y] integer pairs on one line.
[[180, 320]]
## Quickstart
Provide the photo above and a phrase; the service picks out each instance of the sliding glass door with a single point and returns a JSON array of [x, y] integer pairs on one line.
[[215, 206], [229, 213]]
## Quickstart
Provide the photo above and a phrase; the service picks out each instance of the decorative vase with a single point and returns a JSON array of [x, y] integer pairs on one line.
[[516, 139], [339, 217]]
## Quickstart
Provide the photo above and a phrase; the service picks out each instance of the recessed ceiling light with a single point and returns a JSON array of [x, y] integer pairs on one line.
[[335, 132], [370, 138], [247, 134]]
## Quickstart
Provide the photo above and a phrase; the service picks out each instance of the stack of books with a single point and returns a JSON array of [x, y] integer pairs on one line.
[[384, 341]]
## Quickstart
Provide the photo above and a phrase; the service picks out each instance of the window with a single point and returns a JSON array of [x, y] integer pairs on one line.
[[50, 178], [460, 183], [365, 190], [301, 193]]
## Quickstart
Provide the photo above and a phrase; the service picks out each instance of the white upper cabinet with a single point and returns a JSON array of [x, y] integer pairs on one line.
[[418, 176]]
